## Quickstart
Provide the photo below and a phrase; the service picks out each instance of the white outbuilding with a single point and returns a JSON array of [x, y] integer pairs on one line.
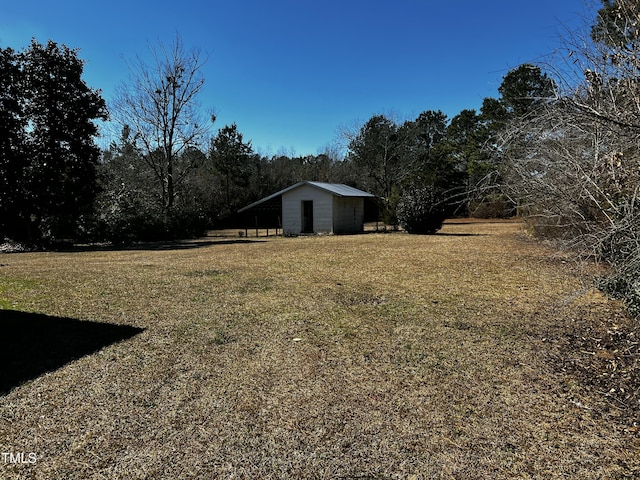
[[316, 207]]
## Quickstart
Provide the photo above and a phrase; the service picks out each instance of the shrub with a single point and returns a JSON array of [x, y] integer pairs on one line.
[[624, 286], [129, 216], [419, 211]]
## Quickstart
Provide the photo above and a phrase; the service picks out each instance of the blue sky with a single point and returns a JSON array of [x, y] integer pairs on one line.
[[291, 73]]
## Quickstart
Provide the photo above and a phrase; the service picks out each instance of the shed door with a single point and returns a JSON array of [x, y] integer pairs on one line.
[[307, 216]]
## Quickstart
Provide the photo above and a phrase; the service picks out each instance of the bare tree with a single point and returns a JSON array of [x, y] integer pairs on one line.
[[160, 106], [577, 173]]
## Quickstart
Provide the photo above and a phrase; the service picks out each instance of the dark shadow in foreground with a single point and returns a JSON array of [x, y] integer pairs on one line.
[[32, 344]]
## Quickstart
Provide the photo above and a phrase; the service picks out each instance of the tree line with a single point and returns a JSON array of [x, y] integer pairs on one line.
[[169, 175]]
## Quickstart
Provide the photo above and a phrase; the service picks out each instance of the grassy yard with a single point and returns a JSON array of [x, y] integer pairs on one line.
[[366, 356]]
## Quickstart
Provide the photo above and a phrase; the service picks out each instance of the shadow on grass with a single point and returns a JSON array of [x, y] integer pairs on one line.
[[187, 244], [451, 234], [147, 246], [32, 344]]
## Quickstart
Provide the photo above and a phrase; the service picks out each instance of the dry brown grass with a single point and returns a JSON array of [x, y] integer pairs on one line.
[[366, 356]]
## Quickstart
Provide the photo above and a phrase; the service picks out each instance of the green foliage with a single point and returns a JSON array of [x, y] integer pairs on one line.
[[375, 156], [61, 110], [231, 159], [12, 142], [422, 152], [420, 211], [524, 89], [525, 92], [48, 154]]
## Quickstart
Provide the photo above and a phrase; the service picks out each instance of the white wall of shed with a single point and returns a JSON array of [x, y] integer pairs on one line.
[[292, 210]]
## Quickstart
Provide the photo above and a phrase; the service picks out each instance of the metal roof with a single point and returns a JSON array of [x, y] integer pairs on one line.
[[339, 189]]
